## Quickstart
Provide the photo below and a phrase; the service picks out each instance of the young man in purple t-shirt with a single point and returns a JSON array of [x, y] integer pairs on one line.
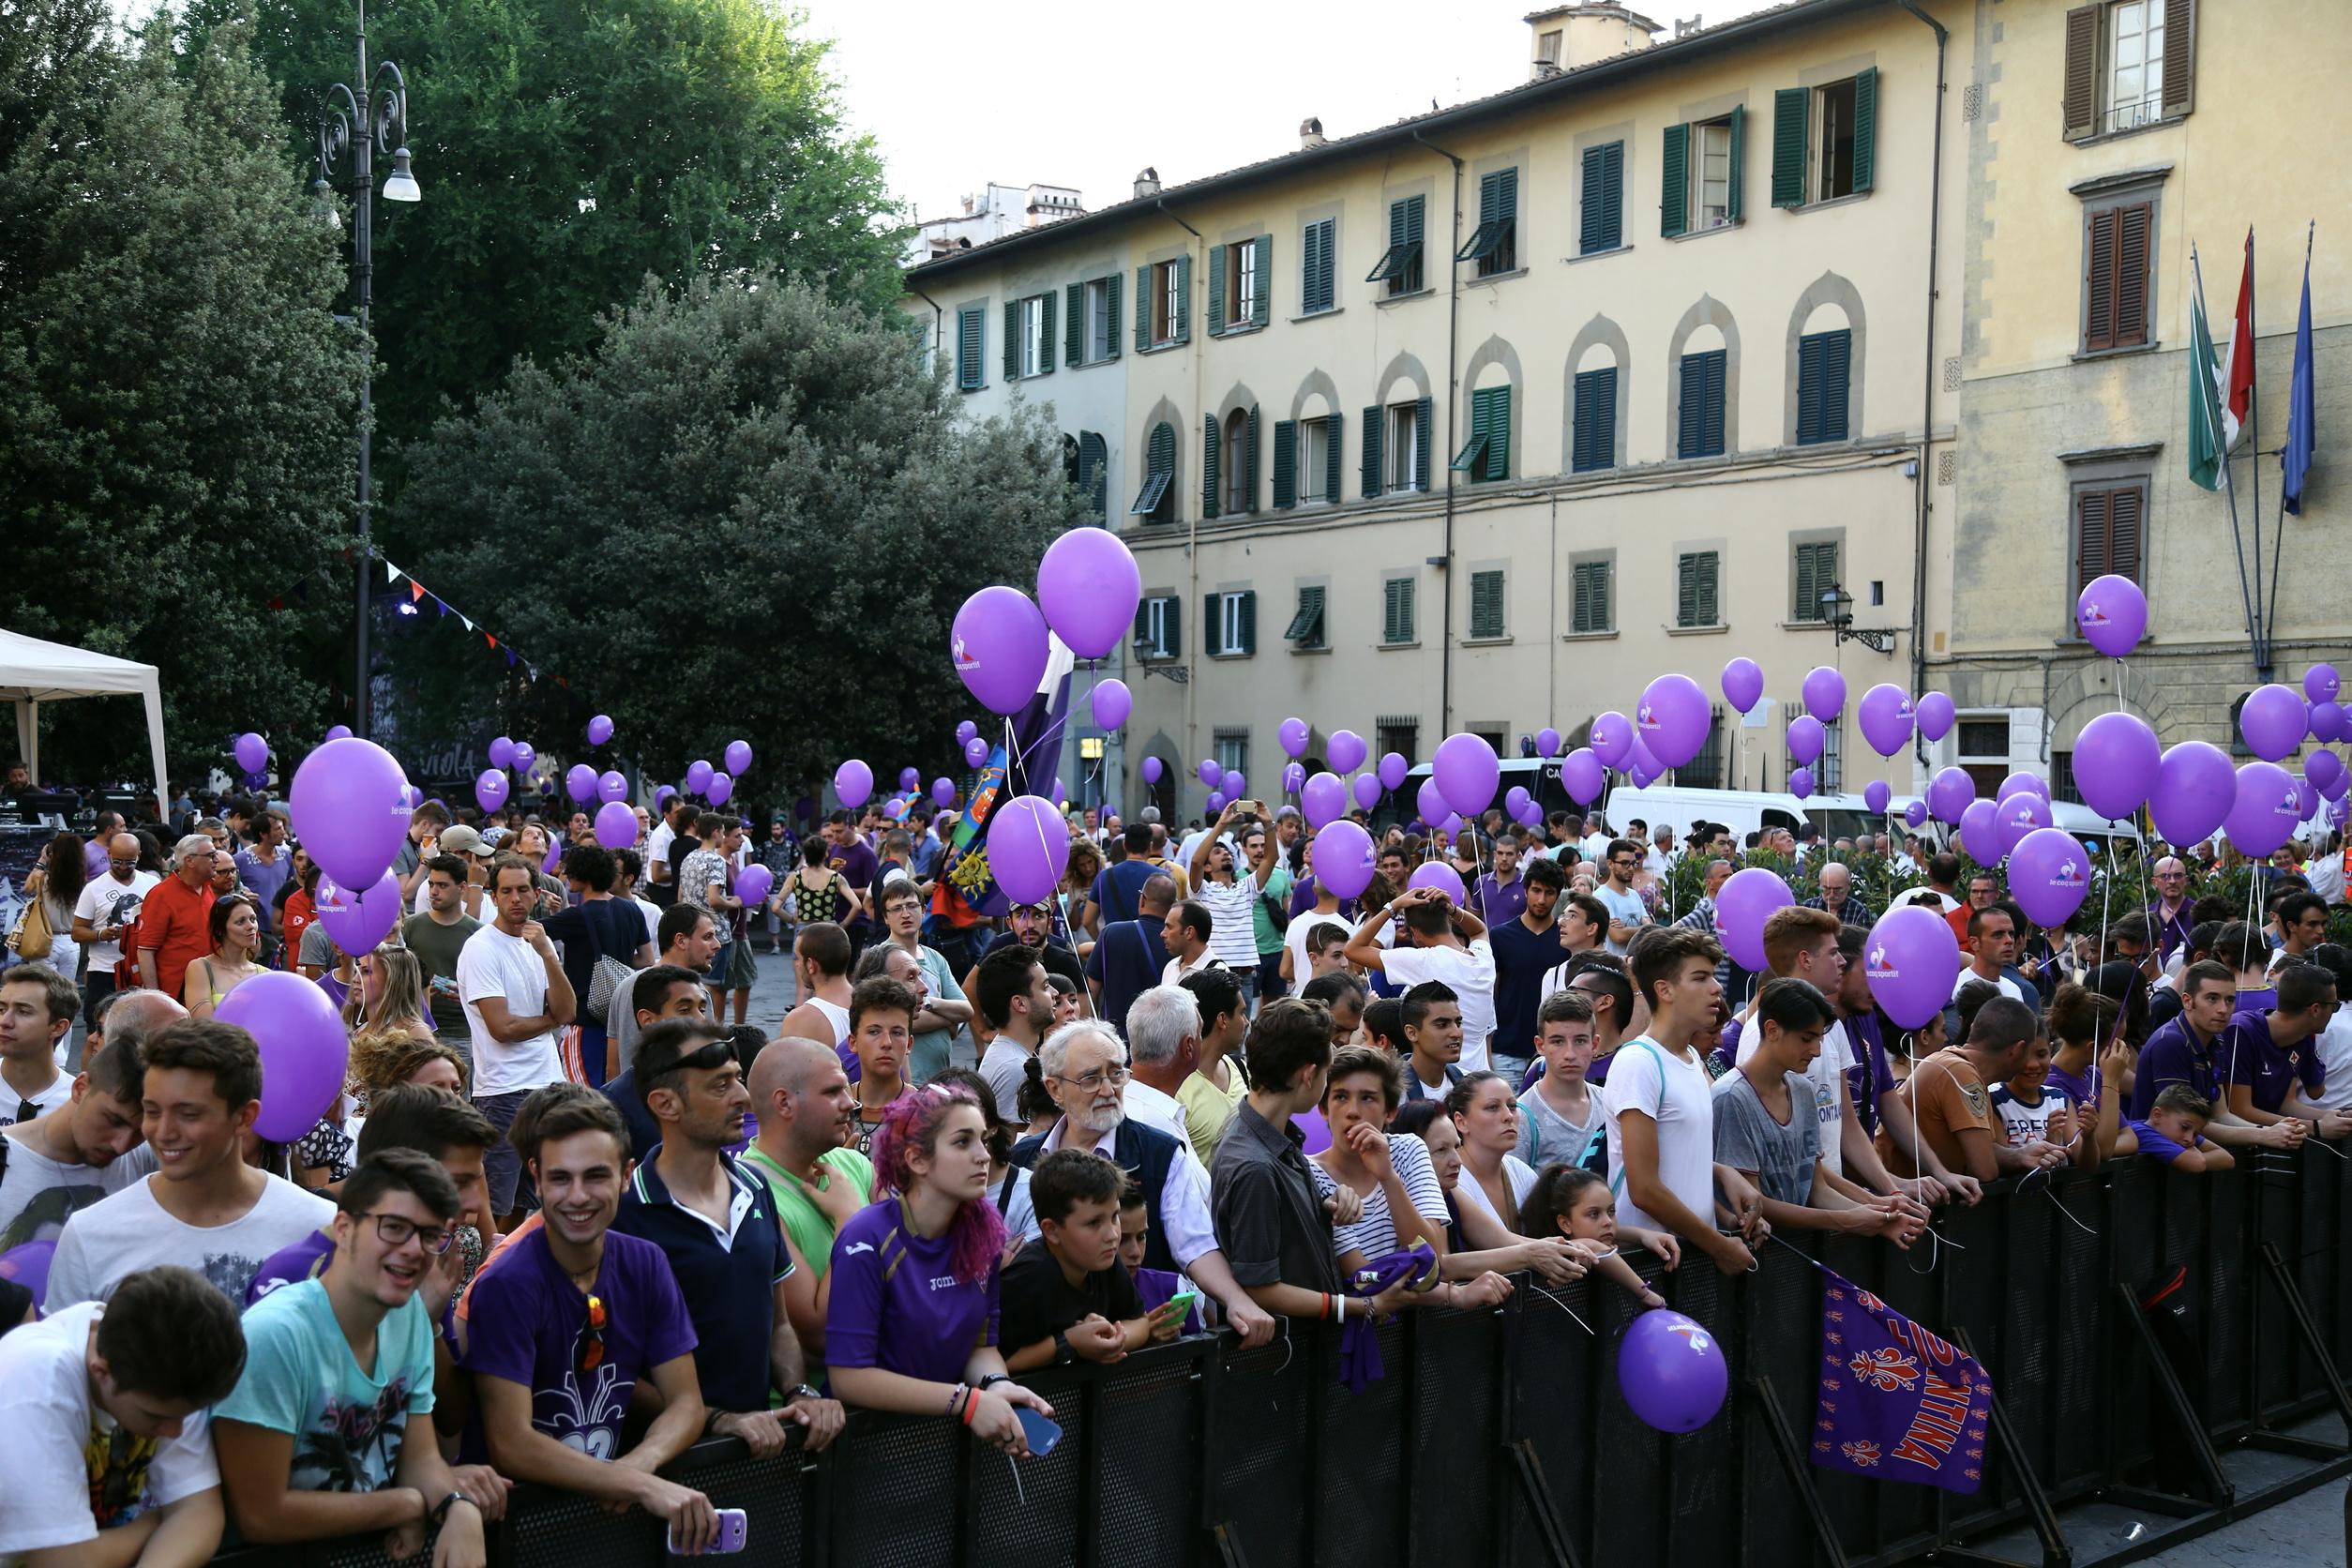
[[2266, 1056], [572, 1316]]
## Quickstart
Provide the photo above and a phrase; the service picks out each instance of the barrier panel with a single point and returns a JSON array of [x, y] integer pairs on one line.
[[1500, 1436]]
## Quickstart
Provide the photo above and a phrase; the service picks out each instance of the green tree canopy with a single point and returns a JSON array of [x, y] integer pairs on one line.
[[752, 511], [176, 400]]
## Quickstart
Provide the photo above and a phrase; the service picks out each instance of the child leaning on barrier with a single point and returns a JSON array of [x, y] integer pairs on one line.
[[1065, 1296], [2174, 1132], [1571, 1201]]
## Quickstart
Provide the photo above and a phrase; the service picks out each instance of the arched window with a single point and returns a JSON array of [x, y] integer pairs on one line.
[[1241, 461], [1092, 473]]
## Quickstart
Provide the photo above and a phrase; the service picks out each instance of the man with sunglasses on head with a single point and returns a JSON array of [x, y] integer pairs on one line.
[[1031, 926], [314, 1440]]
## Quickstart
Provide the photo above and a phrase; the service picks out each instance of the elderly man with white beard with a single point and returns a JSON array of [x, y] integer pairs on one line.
[[1084, 1065]]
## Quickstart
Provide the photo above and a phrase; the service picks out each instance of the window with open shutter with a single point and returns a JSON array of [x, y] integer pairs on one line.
[[1335, 431], [1373, 471], [1105, 338], [1487, 453], [1864, 163], [1145, 335], [1212, 453], [1601, 223], [1249, 464], [1179, 298], [1220, 270], [1074, 340], [1674, 182], [1823, 372], [1012, 341], [1399, 267], [1816, 570], [2109, 524], [1485, 617], [1423, 430], [1244, 609], [1397, 610], [1159, 473], [972, 332], [1790, 140], [1286, 464], [1695, 600], [1588, 595], [1699, 416], [1593, 437], [1494, 244], [1093, 463], [1260, 256], [2079, 92], [2179, 75], [1306, 629]]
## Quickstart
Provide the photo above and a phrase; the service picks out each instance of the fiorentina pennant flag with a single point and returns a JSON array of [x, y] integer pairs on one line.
[[1898, 1403], [2233, 377]]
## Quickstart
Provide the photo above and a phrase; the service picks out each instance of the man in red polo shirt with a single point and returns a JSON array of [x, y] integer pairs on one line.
[[175, 922]]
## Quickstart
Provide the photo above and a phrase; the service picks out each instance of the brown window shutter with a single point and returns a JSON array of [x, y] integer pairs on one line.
[[2099, 281], [2081, 94], [2131, 273], [2123, 531], [2181, 56], [2092, 511]]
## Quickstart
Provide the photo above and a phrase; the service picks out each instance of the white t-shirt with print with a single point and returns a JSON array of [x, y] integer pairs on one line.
[[119, 1235], [107, 902]]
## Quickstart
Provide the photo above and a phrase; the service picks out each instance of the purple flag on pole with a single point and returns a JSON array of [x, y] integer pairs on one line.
[[1898, 1403]]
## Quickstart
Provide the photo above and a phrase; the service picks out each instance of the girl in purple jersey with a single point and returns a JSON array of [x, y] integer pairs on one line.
[[912, 1322]]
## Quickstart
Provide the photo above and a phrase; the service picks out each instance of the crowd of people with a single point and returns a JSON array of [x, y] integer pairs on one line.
[[566, 1219]]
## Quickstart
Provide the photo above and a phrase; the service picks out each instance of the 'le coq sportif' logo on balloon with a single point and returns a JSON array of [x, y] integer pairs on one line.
[[2067, 875], [1879, 967], [963, 657], [2092, 614], [1646, 716], [2290, 807]]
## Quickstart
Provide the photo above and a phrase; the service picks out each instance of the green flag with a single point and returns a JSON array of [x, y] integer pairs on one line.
[[2205, 412]]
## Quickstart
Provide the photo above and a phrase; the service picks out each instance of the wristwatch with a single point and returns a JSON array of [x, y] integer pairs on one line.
[[993, 1379], [1063, 1354], [441, 1509], [801, 1391]]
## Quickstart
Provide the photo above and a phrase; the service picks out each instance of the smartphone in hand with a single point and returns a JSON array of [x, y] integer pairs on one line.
[[733, 1532], [1042, 1432]]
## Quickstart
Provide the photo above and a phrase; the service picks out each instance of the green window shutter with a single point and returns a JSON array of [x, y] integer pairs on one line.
[[1142, 624], [1485, 616], [1249, 622], [1286, 464], [1595, 421], [1211, 443], [1045, 350], [1110, 317], [1709, 599], [1374, 429], [1699, 424], [1602, 223], [1590, 596], [1174, 625], [1816, 568], [1824, 367], [1696, 602], [1711, 430], [1184, 298], [1865, 127], [1319, 267], [1809, 389], [1836, 399], [1012, 341], [1735, 203], [1143, 308], [1790, 105], [1674, 183], [971, 330], [1213, 624], [1249, 469], [1074, 347], [1397, 610], [1334, 428], [1217, 291], [1498, 465], [1263, 300], [1423, 431]]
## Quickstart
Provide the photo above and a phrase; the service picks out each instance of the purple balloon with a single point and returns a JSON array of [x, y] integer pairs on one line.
[[1347, 751], [1582, 775], [489, 788], [2321, 683], [2324, 770], [1936, 714], [1671, 1371], [1981, 832], [348, 804], [2195, 787], [1466, 772], [1548, 742], [738, 757], [965, 730], [1438, 874], [579, 782], [502, 752], [1001, 647], [722, 790], [304, 1048], [854, 781], [909, 779], [1800, 782], [942, 792], [1613, 739], [698, 775], [1673, 720], [1531, 815], [1342, 857], [1089, 586], [1429, 801], [2112, 615], [1824, 692], [1029, 848], [2022, 782], [2049, 875], [1324, 799], [612, 785], [1743, 684], [337, 731], [1152, 768], [753, 883], [1747, 899], [2274, 721], [27, 1263], [1514, 800], [1805, 736], [1912, 961], [252, 752], [2266, 811], [525, 754], [599, 730], [1293, 734], [2019, 815], [1294, 777], [1877, 795], [2116, 761], [1216, 802], [1392, 770], [358, 923], [1366, 789], [663, 795], [1112, 702], [1235, 784], [616, 826], [2327, 722], [1915, 814], [1885, 711], [2339, 812], [976, 755], [1949, 795], [1210, 771], [1642, 768], [2306, 799]]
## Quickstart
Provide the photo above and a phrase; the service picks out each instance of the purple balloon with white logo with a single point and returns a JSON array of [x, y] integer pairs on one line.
[[599, 730], [1343, 858], [358, 923], [1800, 782], [2019, 815], [1912, 961], [1824, 692], [2321, 683], [1743, 684], [612, 785], [348, 805], [489, 788], [2022, 782], [1748, 899], [525, 754], [1885, 712], [1673, 718], [1514, 800], [1936, 715], [1613, 739], [1915, 814], [1293, 735], [1000, 647], [2266, 811], [965, 730], [1294, 777], [2112, 615], [1949, 795], [2196, 788], [1345, 752], [1805, 738], [976, 755]]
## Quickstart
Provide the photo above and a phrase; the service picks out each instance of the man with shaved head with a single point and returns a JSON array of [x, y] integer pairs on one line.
[[109, 903], [807, 1123], [2169, 914]]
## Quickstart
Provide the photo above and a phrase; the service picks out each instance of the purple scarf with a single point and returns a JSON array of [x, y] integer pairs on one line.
[[1360, 1364]]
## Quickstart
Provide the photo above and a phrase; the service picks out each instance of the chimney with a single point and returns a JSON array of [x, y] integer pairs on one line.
[[1147, 183], [1310, 133]]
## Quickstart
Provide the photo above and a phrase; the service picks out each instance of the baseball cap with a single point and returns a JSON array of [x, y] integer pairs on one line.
[[458, 838]]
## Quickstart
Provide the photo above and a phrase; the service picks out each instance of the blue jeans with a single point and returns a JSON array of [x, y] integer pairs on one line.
[[510, 1189]]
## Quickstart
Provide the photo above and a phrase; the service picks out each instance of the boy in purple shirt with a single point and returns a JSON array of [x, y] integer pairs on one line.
[[2174, 1129]]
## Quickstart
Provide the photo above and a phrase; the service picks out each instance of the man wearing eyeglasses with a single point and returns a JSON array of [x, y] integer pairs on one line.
[[1627, 913], [314, 1442], [2169, 914], [109, 903], [175, 920]]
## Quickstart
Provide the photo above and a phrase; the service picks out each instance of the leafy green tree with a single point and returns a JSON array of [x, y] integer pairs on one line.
[[176, 400], [753, 511], [568, 152]]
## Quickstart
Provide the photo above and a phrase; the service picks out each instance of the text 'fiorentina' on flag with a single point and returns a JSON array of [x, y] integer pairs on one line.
[[1897, 1402]]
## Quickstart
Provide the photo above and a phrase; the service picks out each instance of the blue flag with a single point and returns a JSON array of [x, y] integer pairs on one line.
[[2302, 407], [1898, 1403]]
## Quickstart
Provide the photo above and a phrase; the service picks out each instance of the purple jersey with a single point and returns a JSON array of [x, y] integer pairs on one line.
[[2156, 1143], [1868, 1076], [306, 1259], [530, 1325], [2250, 1056], [1155, 1288], [2080, 1089], [896, 1304]]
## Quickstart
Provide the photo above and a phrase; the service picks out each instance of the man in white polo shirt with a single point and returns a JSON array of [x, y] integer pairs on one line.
[[516, 1000]]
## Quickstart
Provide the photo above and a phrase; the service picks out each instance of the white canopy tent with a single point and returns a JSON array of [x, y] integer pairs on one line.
[[33, 671]]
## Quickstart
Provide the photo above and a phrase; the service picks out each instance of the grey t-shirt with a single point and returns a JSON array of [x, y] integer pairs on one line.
[[1548, 1137], [437, 947], [1003, 1065], [1747, 1138]]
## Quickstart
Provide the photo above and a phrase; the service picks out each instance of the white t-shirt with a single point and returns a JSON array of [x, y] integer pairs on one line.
[[1232, 921], [37, 1195], [107, 902], [2334, 1045], [1470, 971], [657, 848], [1516, 1170], [652, 919], [2008, 987], [41, 1101], [1671, 1088], [52, 1432], [1594, 847], [129, 1232], [1295, 938], [493, 964], [1826, 1077], [1176, 968], [1625, 908]]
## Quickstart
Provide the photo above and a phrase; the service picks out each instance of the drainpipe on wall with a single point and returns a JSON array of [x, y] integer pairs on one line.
[[1192, 530], [1927, 390], [1446, 454], [939, 322]]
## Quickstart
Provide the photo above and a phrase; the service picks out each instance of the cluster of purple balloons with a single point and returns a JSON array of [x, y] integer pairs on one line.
[[1088, 587]]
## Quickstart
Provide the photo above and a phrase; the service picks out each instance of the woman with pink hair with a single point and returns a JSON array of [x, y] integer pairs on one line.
[[912, 1322]]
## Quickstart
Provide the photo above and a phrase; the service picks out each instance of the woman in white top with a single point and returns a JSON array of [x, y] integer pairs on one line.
[[1494, 1179]]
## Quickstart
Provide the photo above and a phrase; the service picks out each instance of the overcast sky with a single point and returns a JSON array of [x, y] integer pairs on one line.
[[1077, 92]]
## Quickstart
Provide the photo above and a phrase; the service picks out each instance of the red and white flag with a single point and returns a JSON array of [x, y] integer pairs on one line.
[[2234, 376]]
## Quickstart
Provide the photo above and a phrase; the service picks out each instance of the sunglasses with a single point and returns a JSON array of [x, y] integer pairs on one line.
[[592, 1355]]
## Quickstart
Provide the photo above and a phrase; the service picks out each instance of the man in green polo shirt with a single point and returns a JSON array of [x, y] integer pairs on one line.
[[807, 1119]]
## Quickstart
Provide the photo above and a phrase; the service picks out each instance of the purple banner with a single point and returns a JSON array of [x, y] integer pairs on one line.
[[1898, 1403]]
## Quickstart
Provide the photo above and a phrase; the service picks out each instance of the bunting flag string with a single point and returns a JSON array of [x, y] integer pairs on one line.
[[418, 594]]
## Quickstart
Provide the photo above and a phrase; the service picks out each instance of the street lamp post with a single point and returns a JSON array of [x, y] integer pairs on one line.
[[369, 116]]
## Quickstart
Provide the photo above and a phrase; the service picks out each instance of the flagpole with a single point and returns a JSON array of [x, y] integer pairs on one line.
[[2270, 616], [2196, 269], [2263, 662]]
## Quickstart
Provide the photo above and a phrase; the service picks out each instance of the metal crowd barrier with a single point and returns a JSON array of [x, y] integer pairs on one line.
[[1500, 1437]]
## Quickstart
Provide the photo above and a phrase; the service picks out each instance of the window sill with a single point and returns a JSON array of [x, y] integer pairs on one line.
[[1596, 255], [1796, 445], [1424, 292], [1724, 227], [1239, 653], [1803, 626], [1162, 348], [1587, 636], [1238, 329], [1089, 363], [1317, 315], [2124, 353], [2101, 138], [1495, 277], [1716, 631], [1322, 651], [1303, 504], [1702, 457], [1503, 641], [1832, 202], [1395, 647]]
